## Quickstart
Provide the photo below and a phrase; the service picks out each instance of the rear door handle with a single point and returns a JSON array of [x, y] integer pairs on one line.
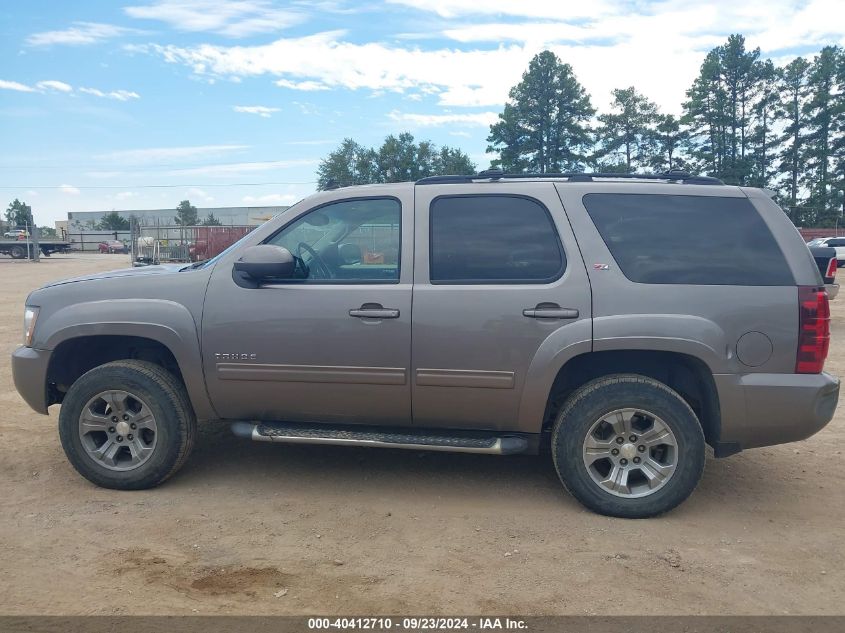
[[374, 311], [550, 311]]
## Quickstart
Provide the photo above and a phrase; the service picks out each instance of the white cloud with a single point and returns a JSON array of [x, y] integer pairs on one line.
[[81, 33], [69, 189], [119, 95], [200, 194], [227, 169], [125, 195], [271, 199], [427, 120], [460, 77], [158, 154], [52, 84], [14, 85], [233, 18], [207, 171], [262, 111], [306, 86], [546, 9], [657, 47]]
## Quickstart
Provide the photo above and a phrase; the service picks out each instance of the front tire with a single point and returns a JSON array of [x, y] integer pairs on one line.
[[628, 446], [127, 425]]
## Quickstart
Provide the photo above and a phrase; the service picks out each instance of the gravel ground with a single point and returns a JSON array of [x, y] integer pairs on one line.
[[248, 528]]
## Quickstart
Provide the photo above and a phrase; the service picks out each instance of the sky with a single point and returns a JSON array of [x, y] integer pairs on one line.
[[135, 104]]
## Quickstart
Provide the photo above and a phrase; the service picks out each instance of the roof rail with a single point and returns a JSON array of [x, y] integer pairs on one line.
[[674, 175]]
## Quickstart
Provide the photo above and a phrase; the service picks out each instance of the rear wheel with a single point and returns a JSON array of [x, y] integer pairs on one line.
[[127, 425], [17, 252], [628, 446]]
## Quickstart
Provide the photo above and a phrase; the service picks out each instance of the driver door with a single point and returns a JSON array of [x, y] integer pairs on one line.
[[333, 345]]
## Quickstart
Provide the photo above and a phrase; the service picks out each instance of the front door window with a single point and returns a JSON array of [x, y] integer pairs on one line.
[[346, 242]]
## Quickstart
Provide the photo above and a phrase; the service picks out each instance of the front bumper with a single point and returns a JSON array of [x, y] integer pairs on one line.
[[767, 409], [29, 371]]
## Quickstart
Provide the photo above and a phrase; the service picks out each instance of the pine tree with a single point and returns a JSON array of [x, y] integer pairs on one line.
[[718, 110], [824, 98], [763, 136], [704, 116], [669, 139], [627, 134], [793, 90], [544, 126]]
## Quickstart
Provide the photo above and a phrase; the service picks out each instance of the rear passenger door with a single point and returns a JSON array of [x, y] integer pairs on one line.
[[497, 272]]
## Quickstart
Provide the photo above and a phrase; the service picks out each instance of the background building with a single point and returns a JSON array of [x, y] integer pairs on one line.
[[83, 229], [78, 221]]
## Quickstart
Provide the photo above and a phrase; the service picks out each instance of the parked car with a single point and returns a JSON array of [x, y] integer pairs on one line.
[[826, 261], [17, 234], [490, 314], [112, 246], [837, 243]]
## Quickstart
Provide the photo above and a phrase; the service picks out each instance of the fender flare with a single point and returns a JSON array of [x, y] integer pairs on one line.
[[566, 343], [163, 321]]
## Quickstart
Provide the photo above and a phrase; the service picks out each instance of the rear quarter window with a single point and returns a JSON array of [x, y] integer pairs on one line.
[[672, 239]]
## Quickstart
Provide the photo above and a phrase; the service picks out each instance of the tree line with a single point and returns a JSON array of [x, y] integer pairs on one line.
[[744, 120]]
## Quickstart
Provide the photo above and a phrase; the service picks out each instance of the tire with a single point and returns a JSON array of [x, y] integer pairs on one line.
[[17, 252], [664, 475], [139, 390]]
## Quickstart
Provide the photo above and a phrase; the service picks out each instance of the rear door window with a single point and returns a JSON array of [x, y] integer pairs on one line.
[[672, 239], [490, 239]]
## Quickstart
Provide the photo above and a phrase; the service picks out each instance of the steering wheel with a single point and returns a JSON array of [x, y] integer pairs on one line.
[[316, 261]]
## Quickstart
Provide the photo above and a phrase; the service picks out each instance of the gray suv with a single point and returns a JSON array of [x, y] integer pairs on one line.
[[618, 322]]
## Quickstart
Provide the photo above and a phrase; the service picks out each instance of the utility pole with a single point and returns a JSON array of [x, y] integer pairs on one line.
[[36, 252]]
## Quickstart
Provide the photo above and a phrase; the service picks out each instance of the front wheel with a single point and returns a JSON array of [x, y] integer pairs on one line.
[[127, 425], [628, 446]]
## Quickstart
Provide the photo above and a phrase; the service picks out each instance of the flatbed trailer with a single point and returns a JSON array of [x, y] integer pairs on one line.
[[17, 249]]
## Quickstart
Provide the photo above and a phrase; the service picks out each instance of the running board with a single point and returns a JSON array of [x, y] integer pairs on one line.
[[440, 440]]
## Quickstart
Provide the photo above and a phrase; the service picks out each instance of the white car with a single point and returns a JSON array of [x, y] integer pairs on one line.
[[836, 243]]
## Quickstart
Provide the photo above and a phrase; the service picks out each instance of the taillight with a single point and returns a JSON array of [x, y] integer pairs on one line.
[[831, 269], [813, 329]]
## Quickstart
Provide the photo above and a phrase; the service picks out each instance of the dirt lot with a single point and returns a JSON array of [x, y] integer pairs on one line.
[[249, 528]]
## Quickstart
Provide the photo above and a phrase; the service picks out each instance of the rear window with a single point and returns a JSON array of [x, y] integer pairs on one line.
[[706, 240]]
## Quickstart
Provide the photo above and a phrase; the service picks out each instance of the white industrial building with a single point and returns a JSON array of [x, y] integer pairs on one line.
[[78, 221]]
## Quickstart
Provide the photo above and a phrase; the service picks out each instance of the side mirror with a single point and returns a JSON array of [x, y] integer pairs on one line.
[[263, 262]]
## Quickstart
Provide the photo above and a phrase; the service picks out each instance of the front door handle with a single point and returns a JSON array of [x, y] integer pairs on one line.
[[374, 311], [550, 311]]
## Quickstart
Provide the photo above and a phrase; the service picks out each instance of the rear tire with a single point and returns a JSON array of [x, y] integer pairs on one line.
[[17, 252], [127, 425], [628, 446]]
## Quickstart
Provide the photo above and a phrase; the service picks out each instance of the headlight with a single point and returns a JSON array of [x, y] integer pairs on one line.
[[30, 315]]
